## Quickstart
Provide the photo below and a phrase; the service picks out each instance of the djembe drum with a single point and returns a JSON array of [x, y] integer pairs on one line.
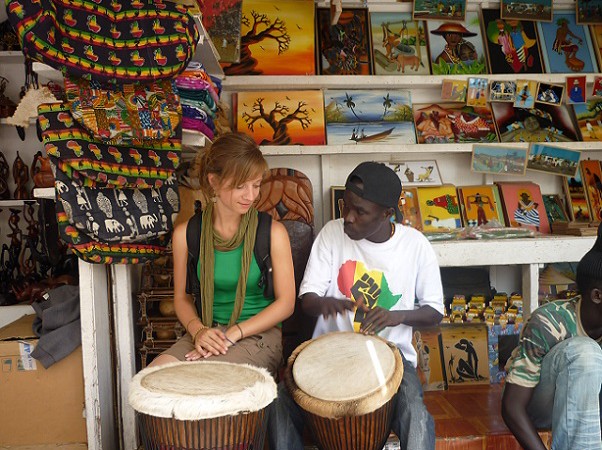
[[202, 405], [345, 383]]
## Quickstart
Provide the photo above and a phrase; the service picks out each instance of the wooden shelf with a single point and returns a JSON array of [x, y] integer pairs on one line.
[[15, 203], [401, 149], [496, 252], [11, 54]]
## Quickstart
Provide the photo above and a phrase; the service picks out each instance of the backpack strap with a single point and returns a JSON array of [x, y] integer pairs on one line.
[[193, 242]]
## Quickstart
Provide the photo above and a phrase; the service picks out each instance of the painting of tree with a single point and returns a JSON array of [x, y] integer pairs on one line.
[[276, 39], [282, 117]]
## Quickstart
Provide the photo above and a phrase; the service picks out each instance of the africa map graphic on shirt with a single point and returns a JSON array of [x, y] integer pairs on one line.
[[356, 280]]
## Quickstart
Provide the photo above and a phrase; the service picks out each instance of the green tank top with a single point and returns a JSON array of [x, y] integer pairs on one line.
[[227, 271]]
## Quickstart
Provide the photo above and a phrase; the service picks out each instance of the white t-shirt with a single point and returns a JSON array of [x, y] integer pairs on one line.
[[393, 274]]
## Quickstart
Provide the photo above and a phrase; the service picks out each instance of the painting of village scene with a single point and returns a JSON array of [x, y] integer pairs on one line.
[[553, 160], [369, 116], [511, 44], [576, 200], [589, 119], [566, 47], [344, 48], [540, 10], [453, 123], [499, 160], [544, 123], [589, 11], [457, 48], [399, 45], [276, 39], [439, 9], [281, 117]]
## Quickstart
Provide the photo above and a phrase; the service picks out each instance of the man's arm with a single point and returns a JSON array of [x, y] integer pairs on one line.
[[514, 412], [378, 318], [314, 305]]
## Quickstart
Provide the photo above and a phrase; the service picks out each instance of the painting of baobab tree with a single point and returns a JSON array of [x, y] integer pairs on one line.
[[399, 45], [375, 116], [277, 38], [282, 117]]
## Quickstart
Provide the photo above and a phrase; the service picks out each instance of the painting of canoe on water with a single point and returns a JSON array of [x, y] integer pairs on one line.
[[377, 116]]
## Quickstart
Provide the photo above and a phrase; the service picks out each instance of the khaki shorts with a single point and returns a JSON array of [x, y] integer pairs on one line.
[[261, 350]]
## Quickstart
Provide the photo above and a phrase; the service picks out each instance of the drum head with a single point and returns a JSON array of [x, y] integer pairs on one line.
[[344, 366], [201, 390]]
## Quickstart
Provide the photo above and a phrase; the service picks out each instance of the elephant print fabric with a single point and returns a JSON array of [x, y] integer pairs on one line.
[[116, 215]]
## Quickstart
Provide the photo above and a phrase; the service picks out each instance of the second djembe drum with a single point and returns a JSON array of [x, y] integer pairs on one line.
[[345, 383]]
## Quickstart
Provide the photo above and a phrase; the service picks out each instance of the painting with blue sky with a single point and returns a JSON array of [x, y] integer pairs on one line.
[[369, 116], [553, 160], [540, 10]]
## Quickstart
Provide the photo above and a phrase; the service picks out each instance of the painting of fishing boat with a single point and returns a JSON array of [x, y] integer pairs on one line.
[[375, 116]]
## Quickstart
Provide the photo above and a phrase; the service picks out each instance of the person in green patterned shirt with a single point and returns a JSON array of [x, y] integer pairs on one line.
[[555, 373]]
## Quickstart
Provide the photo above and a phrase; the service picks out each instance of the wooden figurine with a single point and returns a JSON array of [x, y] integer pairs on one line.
[[4, 171], [21, 177], [41, 173]]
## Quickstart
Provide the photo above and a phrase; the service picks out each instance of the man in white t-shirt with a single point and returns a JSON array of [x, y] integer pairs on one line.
[[366, 273]]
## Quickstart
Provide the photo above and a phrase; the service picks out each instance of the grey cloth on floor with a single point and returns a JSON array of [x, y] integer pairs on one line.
[[57, 324]]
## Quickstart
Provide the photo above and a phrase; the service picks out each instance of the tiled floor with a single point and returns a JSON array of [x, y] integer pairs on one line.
[[469, 418]]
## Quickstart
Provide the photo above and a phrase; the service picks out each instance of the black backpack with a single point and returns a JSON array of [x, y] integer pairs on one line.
[[261, 252]]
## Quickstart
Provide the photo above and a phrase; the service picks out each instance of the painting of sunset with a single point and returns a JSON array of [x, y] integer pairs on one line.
[[282, 117], [277, 38]]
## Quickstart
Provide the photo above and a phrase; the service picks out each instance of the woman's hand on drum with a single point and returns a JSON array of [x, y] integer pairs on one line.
[[377, 319], [208, 342]]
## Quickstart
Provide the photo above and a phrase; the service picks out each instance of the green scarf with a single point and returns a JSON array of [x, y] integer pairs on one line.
[[209, 241]]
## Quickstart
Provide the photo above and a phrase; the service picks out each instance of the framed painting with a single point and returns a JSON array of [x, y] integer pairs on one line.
[[597, 88], [465, 353], [439, 208], [375, 116], [589, 12], [480, 204], [502, 91], [399, 44], [449, 10], [525, 93], [575, 89], [410, 208], [591, 174], [544, 123], [596, 34], [576, 200], [477, 91], [222, 20], [281, 117], [550, 94], [453, 122], [344, 48], [553, 160], [539, 10], [498, 160], [428, 346], [511, 45], [336, 201], [457, 48], [417, 173], [454, 90], [589, 120], [566, 47], [523, 206], [276, 39], [554, 209]]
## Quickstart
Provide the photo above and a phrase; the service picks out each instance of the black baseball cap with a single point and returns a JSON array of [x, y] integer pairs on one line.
[[380, 185]]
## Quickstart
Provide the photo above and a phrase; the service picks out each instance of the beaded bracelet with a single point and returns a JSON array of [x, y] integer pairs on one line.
[[203, 327], [190, 321], [241, 333]]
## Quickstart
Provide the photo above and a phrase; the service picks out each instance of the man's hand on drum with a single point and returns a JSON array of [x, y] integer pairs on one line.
[[208, 342], [331, 306], [377, 319]]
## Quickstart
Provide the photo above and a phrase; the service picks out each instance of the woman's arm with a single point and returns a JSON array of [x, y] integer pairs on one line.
[[284, 288], [212, 340]]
